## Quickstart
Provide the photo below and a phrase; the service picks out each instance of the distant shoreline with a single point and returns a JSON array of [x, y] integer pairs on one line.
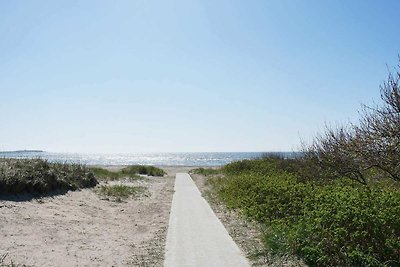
[[24, 151]]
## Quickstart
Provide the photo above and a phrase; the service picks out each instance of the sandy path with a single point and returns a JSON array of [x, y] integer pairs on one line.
[[81, 229]]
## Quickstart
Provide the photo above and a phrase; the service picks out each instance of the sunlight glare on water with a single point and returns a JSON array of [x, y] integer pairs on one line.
[[158, 159]]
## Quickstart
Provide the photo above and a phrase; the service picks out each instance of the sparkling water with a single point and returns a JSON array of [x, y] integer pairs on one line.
[[158, 159]]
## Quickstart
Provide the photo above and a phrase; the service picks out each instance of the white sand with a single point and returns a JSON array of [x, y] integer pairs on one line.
[[81, 229]]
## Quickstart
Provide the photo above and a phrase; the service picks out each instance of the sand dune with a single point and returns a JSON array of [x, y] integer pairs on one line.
[[82, 229]]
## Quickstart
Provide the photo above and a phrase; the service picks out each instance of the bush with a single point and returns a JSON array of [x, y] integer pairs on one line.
[[334, 205], [342, 226], [379, 130], [41, 177], [339, 223], [371, 145], [264, 198], [336, 154]]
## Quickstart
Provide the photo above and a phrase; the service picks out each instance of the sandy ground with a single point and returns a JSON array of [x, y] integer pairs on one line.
[[82, 229]]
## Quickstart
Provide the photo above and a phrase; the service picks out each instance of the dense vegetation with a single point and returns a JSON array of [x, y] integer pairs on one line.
[[40, 176], [338, 204], [337, 223]]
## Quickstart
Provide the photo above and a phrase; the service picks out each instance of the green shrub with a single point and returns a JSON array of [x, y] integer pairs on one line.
[[340, 223], [265, 198], [40, 177], [263, 166], [344, 225]]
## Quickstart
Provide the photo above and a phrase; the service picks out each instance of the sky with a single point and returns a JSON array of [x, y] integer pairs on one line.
[[188, 76]]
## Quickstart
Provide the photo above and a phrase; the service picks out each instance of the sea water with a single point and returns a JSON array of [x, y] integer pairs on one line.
[[203, 159]]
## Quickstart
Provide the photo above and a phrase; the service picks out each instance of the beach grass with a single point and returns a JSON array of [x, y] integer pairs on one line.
[[38, 176], [131, 173], [119, 193], [107, 175]]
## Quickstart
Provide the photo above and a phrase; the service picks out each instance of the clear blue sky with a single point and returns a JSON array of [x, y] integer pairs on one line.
[[156, 76]]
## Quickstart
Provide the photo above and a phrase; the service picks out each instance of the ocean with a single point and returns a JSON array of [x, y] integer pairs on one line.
[[204, 159]]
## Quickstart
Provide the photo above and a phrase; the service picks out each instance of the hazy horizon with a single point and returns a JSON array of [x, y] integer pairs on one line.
[[188, 76]]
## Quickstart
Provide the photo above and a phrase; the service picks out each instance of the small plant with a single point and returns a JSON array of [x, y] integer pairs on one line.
[[11, 264], [121, 192]]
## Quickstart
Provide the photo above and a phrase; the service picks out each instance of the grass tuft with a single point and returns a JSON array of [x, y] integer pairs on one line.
[[121, 192], [11, 264], [104, 173], [206, 171]]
